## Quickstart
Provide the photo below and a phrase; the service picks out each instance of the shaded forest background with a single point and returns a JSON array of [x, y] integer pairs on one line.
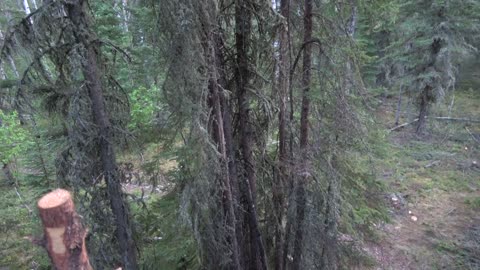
[[244, 134]]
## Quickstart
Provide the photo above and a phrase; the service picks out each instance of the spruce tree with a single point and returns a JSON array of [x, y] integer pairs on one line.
[[429, 34]]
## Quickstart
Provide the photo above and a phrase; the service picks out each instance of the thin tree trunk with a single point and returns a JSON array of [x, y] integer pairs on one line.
[[92, 73], [426, 96], [422, 117], [243, 26], [351, 27], [229, 142], [288, 233], [242, 35], [399, 105], [279, 187], [219, 137], [26, 7], [408, 111], [304, 173], [452, 103]]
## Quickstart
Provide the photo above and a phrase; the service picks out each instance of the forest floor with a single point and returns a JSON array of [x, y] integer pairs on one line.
[[433, 194], [433, 185]]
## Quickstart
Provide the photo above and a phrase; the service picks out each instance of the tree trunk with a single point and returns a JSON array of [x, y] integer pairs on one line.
[[351, 27], [329, 252], [399, 105], [304, 173], [242, 36], [229, 142], [26, 7], [92, 73], [279, 187], [243, 14], [64, 232], [219, 137], [422, 117]]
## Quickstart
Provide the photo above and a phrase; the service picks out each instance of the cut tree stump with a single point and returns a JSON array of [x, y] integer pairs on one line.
[[64, 232]]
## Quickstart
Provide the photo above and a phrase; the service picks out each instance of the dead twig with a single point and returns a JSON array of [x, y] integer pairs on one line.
[[23, 201], [473, 135], [433, 163], [457, 119], [402, 125], [440, 118]]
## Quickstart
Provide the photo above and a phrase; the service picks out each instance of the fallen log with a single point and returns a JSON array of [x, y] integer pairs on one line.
[[402, 125], [454, 119], [442, 118], [64, 232]]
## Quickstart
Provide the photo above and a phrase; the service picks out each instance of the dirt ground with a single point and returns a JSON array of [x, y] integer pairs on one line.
[[433, 233], [434, 199]]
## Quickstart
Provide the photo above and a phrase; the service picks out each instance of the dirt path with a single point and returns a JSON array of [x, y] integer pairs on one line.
[[440, 238]]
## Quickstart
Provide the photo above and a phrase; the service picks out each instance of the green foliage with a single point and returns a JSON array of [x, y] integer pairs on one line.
[[362, 191], [17, 226], [14, 138], [168, 242], [427, 37], [145, 109], [147, 44], [108, 22]]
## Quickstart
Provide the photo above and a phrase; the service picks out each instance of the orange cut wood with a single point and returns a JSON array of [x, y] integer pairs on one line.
[[64, 232]]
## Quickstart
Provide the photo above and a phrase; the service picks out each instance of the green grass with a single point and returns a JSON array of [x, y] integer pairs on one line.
[[436, 175], [424, 165], [17, 226], [474, 203]]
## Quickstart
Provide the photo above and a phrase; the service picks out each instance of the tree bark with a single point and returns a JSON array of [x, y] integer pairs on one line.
[[243, 24], [279, 187], [350, 31], [219, 137], [64, 232], [91, 71], [399, 105], [229, 141], [422, 117], [304, 173]]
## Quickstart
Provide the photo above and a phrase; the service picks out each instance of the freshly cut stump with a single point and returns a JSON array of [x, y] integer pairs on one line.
[[64, 232]]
